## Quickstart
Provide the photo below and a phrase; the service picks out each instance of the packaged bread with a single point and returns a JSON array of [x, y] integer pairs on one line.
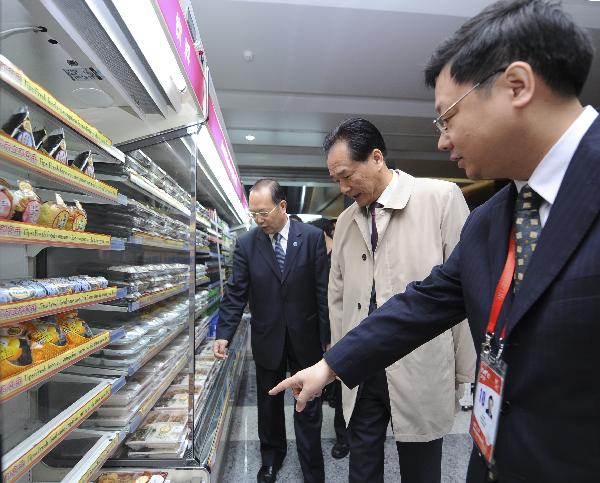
[[19, 127], [55, 215], [77, 218], [6, 200], [39, 137], [15, 352], [75, 329], [56, 146], [15, 292], [26, 204], [84, 163], [46, 338]]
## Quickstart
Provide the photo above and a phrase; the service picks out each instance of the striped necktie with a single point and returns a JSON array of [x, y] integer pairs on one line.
[[279, 253], [527, 230]]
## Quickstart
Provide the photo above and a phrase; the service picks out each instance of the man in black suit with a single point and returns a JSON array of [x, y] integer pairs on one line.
[[281, 268], [526, 271]]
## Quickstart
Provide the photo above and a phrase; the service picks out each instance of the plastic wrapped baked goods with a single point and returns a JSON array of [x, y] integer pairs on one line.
[[46, 338], [75, 329], [15, 351], [6, 200], [84, 163], [56, 146], [11, 292], [145, 477], [77, 220], [157, 435], [19, 127], [26, 204], [54, 215]]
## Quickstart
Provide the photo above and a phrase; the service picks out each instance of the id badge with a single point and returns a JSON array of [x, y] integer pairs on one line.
[[487, 404]]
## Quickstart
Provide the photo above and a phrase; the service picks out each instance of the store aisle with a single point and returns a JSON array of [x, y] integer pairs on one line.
[[243, 454]]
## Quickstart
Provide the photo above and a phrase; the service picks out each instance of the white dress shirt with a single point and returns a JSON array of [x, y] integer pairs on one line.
[[548, 175], [285, 231], [385, 196]]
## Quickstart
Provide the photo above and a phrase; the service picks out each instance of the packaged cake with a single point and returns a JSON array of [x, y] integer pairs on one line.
[[11, 292], [75, 329], [26, 204], [46, 338], [56, 146], [19, 127], [55, 215], [77, 218], [6, 201], [84, 163]]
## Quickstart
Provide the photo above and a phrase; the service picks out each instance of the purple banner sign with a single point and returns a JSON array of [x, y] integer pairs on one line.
[[182, 39]]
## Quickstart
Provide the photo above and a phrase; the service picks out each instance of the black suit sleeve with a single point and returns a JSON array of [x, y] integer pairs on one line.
[[321, 280], [235, 297], [403, 323]]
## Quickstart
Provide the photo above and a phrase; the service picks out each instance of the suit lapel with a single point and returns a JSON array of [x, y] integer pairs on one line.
[[576, 207], [265, 248], [502, 220], [360, 220], [293, 247]]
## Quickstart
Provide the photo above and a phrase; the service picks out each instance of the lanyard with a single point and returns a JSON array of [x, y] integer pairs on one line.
[[499, 296]]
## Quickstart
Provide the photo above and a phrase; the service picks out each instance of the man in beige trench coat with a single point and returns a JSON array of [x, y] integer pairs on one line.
[[378, 250]]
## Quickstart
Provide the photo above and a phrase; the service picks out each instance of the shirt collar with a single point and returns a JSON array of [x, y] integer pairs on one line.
[[384, 197], [548, 175], [285, 230]]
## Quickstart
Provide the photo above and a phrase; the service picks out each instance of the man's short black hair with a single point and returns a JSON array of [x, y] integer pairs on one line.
[[277, 192], [325, 225], [538, 32], [361, 135], [296, 217]]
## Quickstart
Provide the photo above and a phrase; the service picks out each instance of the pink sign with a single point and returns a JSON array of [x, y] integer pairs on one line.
[[214, 127], [182, 39]]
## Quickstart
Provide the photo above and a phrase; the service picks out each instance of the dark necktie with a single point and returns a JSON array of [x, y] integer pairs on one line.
[[279, 253], [374, 240], [527, 230]]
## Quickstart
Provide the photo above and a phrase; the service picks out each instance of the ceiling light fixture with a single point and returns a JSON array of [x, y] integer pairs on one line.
[[250, 137]]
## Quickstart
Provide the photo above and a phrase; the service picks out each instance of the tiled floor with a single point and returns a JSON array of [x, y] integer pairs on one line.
[[243, 453]]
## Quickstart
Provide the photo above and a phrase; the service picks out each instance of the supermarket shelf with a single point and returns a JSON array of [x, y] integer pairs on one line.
[[158, 242], [216, 283], [202, 281], [16, 79], [144, 187], [30, 451], [208, 254], [207, 306], [25, 234], [12, 386], [15, 312], [27, 163], [143, 301]]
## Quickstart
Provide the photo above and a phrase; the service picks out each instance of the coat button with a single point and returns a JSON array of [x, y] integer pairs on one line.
[[506, 407], [364, 257], [359, 306]]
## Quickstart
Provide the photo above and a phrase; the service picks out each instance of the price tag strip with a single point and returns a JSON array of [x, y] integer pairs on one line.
[[19, 232]]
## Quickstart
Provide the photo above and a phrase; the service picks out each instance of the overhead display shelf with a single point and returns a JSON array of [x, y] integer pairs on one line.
[[15, 312], [143, 301], [32, 449], [12, 386], [25, 234], [31, 164], [15, 78]]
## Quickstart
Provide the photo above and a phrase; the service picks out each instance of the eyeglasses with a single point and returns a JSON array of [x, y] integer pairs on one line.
[[441, 122], [262, 214]]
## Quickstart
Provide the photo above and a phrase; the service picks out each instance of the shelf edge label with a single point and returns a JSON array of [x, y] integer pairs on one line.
[[24, 232]]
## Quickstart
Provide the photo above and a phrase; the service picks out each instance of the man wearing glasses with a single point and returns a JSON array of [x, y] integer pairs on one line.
[[281, 268], [526, 271]]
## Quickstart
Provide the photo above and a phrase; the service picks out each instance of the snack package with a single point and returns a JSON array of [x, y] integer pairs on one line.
[[56, 146], [77, 218], [84, 163], [11, 292], [145, 477], [75, 329], [6, 200], [15, 351], [26, 204], [19, 127], [55, 215], [39, 137], [46, 338]]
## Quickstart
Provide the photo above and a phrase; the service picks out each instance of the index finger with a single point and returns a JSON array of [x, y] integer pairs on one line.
[[282, 386]]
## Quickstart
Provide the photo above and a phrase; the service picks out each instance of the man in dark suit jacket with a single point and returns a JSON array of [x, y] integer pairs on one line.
[[506, 87], [281, 267]]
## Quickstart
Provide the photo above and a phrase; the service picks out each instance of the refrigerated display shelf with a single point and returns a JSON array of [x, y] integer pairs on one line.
[[14, 312], [157, 242], [208, 254], [27, 163], [202, 281], [14, 385], [206, 307], [26, 233], [17, 80], [31, 450], [214, 284], [144, 301]]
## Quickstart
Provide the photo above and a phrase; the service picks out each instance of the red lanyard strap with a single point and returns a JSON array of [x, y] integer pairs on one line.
[[502, 289]]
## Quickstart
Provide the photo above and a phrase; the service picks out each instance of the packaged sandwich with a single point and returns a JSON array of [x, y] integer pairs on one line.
[[19, 127], [39, 137], [84, 163], [56, 146], [77, 218], [55, 215], [26, 204], [46, 338], [6, 200]]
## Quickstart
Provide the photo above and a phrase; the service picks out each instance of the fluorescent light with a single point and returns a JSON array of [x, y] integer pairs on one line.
[[250, 137]]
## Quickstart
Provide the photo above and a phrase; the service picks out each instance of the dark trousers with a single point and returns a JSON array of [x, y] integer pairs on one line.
[[339, 423], [419, 462], [271, 422]]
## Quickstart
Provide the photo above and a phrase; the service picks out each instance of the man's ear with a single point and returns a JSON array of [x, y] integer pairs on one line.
[[378, 156], [283, 204], [521, 82]]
